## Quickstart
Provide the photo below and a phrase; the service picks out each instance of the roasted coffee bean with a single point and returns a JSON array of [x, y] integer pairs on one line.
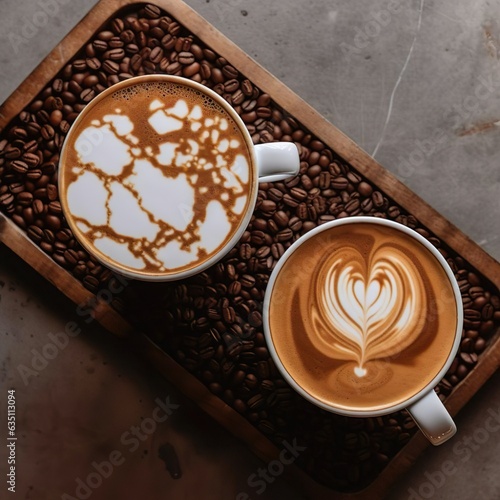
[[53, 222], [249, 117], [19, 166], [127, 36], [263, 369], [256, 402], [52, 194], [55, 117], [479, 345], [98, 46], [174, 28], [93, 63], [116, 42], [16, 187], [258, 238], [487, 311], [301, 211], [79, 65], [90, 81], [378, 199], [324, 179], [231, 86], [112, 67], [306, 182], [186, 58], [229, 72], [353, 206], [255, 319], [249, 105], [51, 104], [277, 250], [71, 257], [105, 35], [285, 234], [117, 25], [295, 224], [468, 358], [263, 112], [217, 76], [281, 218], [91, 283], [298, 193], [6, 199], [34, 174], [275, 195], [87, 95], [234, 288], [191, 71], [152, 11], [57, 86], [495, 301], [367, 205], [115, 54], [228, 314], [247, 281], [174, 68], [472, 314], [24, 198], [35, 233], [156, 55], [319, 203], [247, 87], [259, 224], [467, 345], [263, 252], [68, 98], [245, 251], [339, 183], [268, 207]]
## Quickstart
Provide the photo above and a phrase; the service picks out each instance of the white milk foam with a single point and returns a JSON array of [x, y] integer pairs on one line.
[[160, 188], [368, 308]]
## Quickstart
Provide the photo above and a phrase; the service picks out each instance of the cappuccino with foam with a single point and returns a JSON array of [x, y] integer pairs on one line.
[[156, 178], [362, 317]]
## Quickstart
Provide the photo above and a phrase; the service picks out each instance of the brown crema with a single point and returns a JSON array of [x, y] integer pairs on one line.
[[362, 317]]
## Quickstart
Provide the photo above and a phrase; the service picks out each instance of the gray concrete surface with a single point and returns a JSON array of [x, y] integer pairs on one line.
[[414, 82]]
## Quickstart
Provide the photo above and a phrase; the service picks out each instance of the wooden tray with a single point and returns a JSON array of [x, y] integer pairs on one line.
[[17, 240]]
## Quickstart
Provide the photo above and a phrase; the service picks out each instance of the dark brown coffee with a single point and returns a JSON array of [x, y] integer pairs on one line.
[[362, 316], [156, 177]]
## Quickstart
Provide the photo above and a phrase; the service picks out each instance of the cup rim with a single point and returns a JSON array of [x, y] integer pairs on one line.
[[245, 219], [288, 377]]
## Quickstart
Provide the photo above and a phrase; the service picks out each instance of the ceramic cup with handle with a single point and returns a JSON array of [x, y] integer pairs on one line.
[[159, 177], [363, 317]]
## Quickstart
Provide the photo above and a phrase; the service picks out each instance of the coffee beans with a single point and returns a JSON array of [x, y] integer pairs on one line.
[[212, 323]]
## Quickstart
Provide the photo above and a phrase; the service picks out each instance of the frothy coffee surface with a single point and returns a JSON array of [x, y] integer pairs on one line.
[[156, 177], [362, 316]]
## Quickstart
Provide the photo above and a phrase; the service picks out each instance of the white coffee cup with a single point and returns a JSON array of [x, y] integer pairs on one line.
[[423, 405], [91, 190]]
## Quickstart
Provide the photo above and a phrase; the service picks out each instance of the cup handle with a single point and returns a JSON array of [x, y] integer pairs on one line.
[[433, 418], [277, 161]]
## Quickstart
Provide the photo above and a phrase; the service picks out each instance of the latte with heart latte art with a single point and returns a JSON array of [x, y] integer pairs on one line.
[[371, 316]]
